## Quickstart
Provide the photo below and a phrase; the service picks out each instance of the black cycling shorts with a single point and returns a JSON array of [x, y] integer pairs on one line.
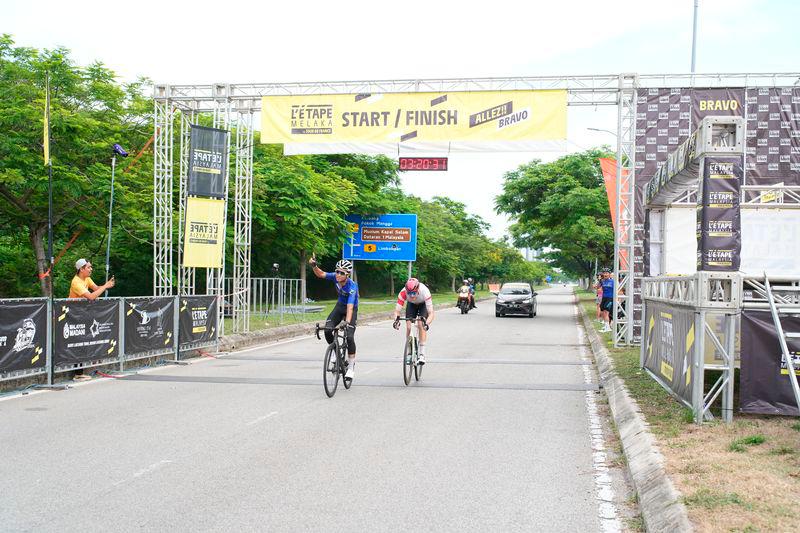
[[607, 304], [414, 310], [337, 315]]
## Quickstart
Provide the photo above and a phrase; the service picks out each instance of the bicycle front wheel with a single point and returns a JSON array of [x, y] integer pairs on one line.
[[330, 370], [408, 360]]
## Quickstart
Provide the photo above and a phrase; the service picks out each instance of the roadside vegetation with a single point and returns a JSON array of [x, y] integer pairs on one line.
[[743, 476], [299, 202]]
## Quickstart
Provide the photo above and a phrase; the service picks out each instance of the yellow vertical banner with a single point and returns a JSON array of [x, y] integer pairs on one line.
[[204, 233]]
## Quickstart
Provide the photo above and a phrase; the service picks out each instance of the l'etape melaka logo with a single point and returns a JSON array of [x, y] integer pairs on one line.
[[312, 119]]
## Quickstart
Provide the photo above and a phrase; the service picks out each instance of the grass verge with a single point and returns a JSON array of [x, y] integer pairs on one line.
[[743, 476]]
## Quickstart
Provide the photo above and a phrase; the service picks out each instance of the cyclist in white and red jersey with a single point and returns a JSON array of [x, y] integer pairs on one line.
[[417, 299]]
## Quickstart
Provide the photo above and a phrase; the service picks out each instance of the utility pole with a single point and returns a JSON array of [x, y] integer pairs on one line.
[[694, 35]]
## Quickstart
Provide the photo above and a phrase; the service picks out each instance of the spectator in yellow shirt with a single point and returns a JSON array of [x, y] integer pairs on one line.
[[82, 285]]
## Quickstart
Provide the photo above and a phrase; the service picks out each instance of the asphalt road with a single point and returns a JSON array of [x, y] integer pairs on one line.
[[495, 437]]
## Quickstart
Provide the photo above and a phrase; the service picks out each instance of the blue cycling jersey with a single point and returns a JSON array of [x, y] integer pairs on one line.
[[608, 287], [348, 294]]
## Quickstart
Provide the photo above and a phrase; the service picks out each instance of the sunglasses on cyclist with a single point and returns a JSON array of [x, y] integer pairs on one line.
[[342, 272]]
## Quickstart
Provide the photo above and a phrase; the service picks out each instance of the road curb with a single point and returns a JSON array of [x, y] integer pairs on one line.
[[659, 500], [230, 343]]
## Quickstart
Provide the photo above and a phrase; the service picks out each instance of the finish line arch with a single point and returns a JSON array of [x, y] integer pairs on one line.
[[233, 106]]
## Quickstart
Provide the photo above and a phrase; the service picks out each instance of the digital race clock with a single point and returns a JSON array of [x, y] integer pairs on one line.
[[423, 163]]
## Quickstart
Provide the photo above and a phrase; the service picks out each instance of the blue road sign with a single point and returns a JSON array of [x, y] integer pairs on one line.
[[381, 238]]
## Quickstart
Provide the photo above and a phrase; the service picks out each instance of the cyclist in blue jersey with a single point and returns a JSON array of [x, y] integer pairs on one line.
[[346, 308]]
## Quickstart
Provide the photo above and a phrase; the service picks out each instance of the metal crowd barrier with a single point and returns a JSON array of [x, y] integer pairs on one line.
[[25, 337], [270, 296], [676, 312], [74, 334]]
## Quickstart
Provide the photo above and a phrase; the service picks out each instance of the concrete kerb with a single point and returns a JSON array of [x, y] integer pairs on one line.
[[659, 501], [230, 343]]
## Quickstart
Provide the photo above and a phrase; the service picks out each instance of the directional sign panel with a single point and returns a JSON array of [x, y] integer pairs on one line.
[[381, 238]]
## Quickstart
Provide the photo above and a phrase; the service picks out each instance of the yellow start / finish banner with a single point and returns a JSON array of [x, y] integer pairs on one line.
[[409, 118], [204, 234]]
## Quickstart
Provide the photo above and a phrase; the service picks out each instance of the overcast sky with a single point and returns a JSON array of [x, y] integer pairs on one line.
[[310, 40]]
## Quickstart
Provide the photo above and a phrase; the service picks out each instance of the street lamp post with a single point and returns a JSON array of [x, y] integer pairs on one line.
[[601, 129]]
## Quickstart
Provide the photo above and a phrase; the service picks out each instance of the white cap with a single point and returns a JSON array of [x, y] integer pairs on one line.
[[80, 263]]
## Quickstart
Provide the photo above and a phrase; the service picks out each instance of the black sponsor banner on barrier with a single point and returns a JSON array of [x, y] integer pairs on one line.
[[198, 319], [764, 384], [719, 226], [149, 325], [773, 136], [85, 331], [208, 159], [23, 335], [668, 337]]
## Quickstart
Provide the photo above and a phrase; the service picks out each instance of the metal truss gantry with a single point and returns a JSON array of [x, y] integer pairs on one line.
[[233, 106], [624, 235]]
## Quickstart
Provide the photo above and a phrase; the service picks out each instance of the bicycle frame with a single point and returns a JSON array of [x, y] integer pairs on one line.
[[411, 350], [339, 345]]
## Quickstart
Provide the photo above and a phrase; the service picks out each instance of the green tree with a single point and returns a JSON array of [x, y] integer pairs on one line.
[[295, 209], [89, 111], [561, 206]]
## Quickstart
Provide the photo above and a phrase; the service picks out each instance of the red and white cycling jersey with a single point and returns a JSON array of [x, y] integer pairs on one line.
[[423, 295]]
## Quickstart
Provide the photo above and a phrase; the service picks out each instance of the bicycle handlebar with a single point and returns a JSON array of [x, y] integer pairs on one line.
[[412, 320], [342, 325]]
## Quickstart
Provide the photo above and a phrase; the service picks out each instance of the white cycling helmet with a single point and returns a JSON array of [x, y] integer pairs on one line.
[[344, 265]]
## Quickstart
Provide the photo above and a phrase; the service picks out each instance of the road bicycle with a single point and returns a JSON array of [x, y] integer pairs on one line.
[[335, 361], [411, 351]]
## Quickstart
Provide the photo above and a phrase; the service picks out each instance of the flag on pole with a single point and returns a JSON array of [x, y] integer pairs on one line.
[[47, 120]]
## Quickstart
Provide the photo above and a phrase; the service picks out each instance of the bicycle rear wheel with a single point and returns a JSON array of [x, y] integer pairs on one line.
[[408, 360], [417, 367], [330, 370], [347, 381]]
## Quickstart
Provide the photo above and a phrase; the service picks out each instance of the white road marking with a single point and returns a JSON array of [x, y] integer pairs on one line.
[[262, 418], [152, 468], [604, 490]]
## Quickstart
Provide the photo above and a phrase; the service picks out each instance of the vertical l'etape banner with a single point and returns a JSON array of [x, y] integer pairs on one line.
[[204, 233], [392, 122]]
